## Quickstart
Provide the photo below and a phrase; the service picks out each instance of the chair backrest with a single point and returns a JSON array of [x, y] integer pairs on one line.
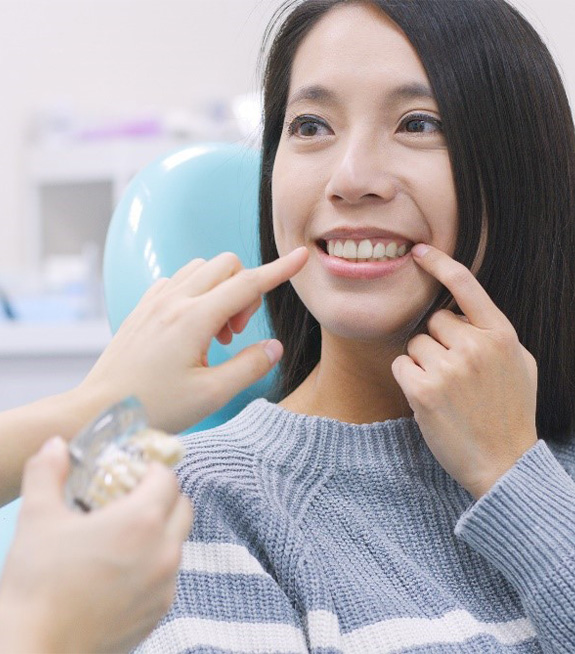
[[195, 202]]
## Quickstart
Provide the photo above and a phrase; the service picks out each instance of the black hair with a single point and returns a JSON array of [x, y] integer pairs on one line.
[[511, 142]]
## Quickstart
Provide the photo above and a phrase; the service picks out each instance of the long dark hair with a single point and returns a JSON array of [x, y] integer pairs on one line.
[[511, 140]]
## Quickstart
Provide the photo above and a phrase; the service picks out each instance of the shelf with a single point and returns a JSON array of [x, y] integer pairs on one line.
[[83, 338], [96, 160]]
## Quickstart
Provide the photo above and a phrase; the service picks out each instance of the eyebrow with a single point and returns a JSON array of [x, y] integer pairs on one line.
[[315, 92], [412, 91]]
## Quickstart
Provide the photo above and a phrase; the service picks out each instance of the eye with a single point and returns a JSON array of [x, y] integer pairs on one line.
[[422, 124], [308, 126]]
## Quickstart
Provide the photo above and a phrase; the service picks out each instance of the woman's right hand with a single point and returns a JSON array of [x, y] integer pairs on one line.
[[159, 354]]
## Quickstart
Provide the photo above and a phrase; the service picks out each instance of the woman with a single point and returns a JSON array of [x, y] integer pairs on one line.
[[413, 489]]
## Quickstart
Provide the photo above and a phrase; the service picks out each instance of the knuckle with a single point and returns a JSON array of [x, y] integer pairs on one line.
[[505, 338], [473, 353], [156, 287], [248, 276], [446, 367], [230, 259], [415, 342], [438, 317], [458, 276], [171, 309]]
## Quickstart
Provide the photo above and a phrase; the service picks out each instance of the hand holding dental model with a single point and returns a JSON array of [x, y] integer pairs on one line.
[[471, 384], [159, 355], [77, 582], [112, 455]]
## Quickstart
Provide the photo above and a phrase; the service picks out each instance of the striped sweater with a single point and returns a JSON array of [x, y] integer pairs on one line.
[[313, 535]]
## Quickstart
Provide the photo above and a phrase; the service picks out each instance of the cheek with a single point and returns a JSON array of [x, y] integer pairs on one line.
[[434, 189], [290, 203], [279, 220]]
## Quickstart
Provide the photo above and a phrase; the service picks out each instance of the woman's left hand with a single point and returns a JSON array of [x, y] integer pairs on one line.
[[471, 384]]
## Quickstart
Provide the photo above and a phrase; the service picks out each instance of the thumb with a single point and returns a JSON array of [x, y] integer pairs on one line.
[[45, 473], [246, 367]]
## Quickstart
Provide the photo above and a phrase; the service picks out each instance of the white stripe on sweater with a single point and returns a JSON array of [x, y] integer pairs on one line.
[[253, 638], [386, 637], [400, 634], [222, 558]]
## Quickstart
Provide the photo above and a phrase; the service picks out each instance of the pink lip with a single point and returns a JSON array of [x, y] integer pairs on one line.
[[364, 270]]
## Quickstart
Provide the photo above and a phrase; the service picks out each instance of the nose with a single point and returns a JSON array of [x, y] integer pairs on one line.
[[361, 172]]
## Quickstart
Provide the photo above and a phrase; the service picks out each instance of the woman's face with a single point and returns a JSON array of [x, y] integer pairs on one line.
[[362, 173]]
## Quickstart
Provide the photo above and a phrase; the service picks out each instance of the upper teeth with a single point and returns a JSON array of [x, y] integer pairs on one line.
[[365, 250]]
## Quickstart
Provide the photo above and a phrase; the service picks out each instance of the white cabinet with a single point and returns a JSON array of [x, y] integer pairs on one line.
[[74, 187], [37, 360]]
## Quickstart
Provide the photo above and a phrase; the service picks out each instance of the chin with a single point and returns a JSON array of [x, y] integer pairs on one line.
[[369, 329]]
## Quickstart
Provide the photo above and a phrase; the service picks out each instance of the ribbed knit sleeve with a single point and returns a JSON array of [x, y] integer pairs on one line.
[[525, 527]]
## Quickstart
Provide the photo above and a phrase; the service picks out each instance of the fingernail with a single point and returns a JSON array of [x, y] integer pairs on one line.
[[420, 250], [274, 350]]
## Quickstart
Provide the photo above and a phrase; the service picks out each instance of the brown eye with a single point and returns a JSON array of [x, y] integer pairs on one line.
[[422, 124], [308, 127]]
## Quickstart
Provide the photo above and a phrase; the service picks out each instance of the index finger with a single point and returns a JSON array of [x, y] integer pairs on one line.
[[243, 289], [471, 297]]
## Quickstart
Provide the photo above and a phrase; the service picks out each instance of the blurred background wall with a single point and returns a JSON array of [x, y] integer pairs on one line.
[[73, 60]]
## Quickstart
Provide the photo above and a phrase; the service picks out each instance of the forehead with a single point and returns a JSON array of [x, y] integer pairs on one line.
[[358, 41]]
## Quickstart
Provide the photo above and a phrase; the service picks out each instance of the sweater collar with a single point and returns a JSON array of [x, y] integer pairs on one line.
[[287, 438]]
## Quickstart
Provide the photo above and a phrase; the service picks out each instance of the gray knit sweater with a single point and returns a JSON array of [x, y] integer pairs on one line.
[[313, 535]]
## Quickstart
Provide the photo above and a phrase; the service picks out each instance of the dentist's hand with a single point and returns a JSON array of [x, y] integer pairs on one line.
[[159, 354], [96, 582], [471, 384]]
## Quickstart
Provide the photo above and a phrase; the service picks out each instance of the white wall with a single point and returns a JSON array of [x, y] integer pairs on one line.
[[104, 55], [109, 55], [555, 22]]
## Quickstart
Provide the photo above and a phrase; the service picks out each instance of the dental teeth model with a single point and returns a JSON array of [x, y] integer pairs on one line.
[[111, 456], [121, 467]]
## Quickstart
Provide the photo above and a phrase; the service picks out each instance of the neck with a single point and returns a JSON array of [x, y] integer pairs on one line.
[[352, 383]]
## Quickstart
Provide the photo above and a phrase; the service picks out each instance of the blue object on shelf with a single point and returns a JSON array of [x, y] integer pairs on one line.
[[197, 201]]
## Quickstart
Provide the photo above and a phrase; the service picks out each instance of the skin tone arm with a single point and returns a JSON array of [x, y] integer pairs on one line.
[[97, 582], [160, 355], [471, 384]]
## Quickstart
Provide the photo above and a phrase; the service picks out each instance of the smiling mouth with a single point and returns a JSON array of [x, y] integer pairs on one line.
[[365, 250]]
